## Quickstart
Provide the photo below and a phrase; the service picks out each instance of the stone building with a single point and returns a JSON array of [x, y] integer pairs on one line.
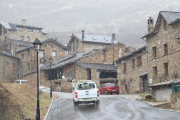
[[49, 47], [163, 47], [84, 43], [21, 32], [9, 67], [96, 65], [132, 72]]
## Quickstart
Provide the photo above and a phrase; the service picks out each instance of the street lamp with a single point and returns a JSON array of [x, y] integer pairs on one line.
[[50, 60], [37, 45]]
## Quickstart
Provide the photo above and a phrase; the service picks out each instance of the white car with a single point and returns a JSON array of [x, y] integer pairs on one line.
[[85, 91]]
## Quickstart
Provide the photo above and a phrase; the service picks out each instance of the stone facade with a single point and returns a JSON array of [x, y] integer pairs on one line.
[[131, 72], [28, 56], [21, 32], [163, 50], [9, 67], [175, 101]]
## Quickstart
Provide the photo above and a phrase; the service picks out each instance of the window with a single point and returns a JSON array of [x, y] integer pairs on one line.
[[14, 67], [165, 49], [124, 68], [120, 51], [41, 54], [19, 28], [133, 63], [28, 65], [45, 45], [51, 46], [22, 55], [154, 52], [89, 74], [155, 71], [139, 63], [21, 37], [29, 29], [36, 30], [166, 68], [28, 38], [54, 53]]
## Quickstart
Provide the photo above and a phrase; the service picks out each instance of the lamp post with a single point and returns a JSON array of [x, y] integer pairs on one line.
[[37, 45], [50, 60]]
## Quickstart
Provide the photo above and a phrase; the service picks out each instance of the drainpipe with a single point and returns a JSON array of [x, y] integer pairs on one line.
[[19, 69]]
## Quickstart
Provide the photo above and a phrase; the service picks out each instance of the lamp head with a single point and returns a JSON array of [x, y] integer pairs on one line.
[[37, 44], [50, 59]]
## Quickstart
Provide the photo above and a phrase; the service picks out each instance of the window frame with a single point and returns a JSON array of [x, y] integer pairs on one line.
[[155, 71], [55, 53], [166, 49], [139, 61], [154, 52], [166, 69]]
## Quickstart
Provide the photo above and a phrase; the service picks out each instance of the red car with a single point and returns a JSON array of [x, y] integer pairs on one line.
[[109, 88]]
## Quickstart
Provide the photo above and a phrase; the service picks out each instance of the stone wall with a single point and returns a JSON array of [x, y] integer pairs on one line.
[[66, 86], [175, 101], [15, 34], [8, 68], [130, 81], [165, 35]]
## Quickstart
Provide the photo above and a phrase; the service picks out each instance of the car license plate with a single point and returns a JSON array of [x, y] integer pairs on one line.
[[113, 90], [86, 99]]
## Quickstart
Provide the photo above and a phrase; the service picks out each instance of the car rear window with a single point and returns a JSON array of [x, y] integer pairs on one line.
[[112, 84], [86, 86]]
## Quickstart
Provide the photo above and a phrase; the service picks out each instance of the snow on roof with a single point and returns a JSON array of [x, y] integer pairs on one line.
[[6, 25], [95, 38]]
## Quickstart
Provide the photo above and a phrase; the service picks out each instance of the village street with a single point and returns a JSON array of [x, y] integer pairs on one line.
[[111, 107]]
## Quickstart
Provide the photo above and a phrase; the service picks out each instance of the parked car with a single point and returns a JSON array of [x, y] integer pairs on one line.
[[109, 88], [85, 91]]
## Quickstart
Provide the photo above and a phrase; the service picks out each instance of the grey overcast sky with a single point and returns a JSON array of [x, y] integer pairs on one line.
[[126, 18]]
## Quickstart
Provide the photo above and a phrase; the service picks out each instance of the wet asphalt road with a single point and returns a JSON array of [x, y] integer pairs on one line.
[[111, 107]]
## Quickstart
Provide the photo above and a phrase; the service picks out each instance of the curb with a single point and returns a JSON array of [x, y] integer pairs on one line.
[[49, 107]]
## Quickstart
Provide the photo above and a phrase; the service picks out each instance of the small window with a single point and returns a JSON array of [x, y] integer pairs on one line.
[[29, 29], [139, 62], [54, 53], [51, 46], [124, 68], [14, 67], [154, 54], [41, 54], [19, 28], [22, 55], [36, 30], [166, 68], [155, 71], [45, 45], [133, 63], [28, 38], [21, 37], [165, 49]]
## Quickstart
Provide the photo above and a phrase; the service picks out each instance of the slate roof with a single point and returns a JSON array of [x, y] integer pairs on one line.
[[98, 66], [72, 58], [95, 38], [131, 54], [48, 40], [8, 54], [20, 42], [170, 17], [12, 26]]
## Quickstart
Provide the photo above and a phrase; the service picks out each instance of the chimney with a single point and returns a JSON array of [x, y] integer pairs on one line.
[[24, 22], [83, 35], [150, 24], [113, 38]]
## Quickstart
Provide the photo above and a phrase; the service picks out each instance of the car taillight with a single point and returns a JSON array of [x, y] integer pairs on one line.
[[98, 93], [76, 94]]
